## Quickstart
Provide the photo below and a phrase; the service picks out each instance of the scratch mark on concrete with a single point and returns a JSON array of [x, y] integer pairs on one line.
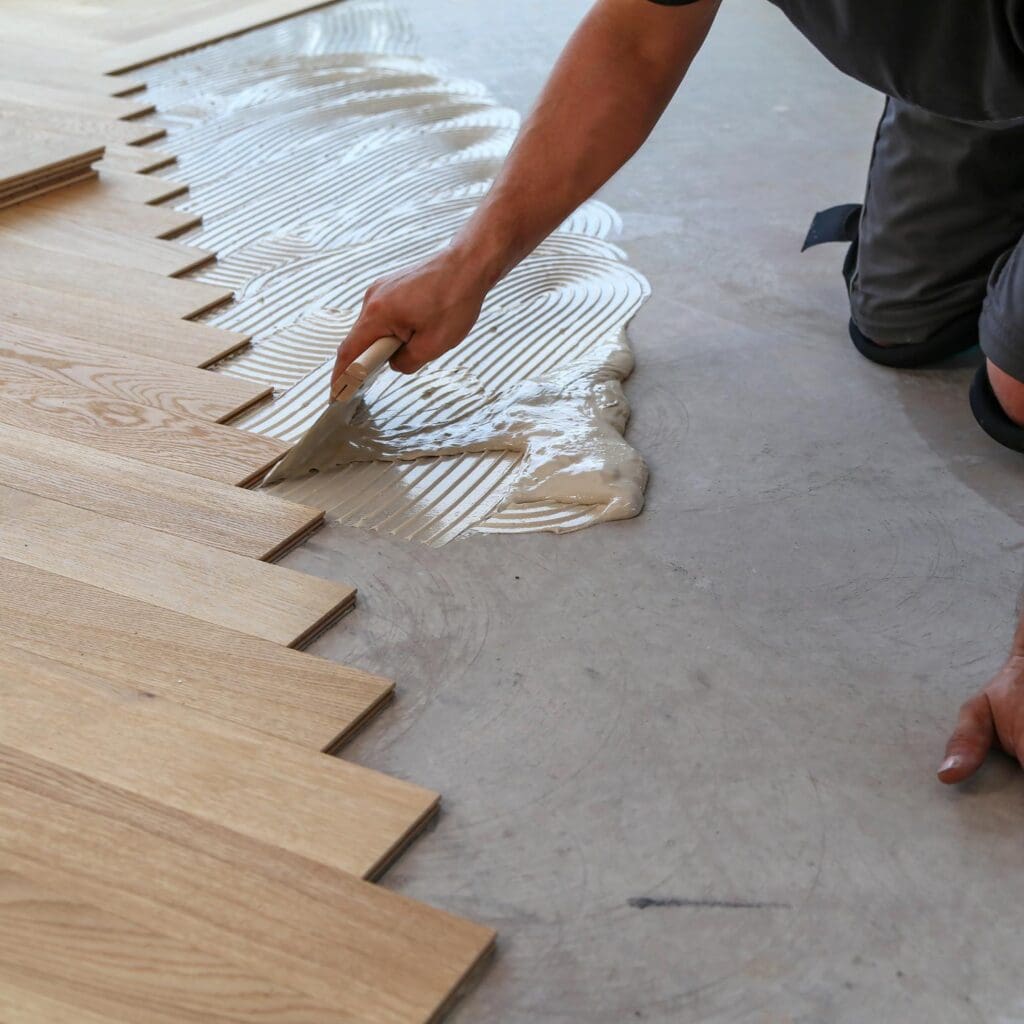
[[643, 902]]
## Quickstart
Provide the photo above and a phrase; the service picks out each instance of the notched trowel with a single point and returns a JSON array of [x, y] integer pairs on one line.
[[337, 414]]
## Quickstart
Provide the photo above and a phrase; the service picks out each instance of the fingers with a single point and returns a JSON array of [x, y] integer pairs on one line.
[[971, 740], [365, 332], [414, 355]]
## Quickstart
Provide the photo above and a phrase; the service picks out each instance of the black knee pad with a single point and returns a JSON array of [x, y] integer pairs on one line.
[[955, 337], [990, 415], [842, 224]]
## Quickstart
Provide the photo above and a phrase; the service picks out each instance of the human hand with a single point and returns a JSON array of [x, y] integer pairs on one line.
[[430, 307], [994, 715]]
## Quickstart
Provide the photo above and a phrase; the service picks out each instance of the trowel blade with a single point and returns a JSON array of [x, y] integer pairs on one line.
[[303, 456]]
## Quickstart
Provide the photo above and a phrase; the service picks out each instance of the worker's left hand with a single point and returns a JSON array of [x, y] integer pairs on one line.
[[994, 715]]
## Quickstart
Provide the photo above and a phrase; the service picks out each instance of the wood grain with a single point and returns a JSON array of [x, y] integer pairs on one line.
[[50, 231], [107, 970], [136, 159], [27, 156], [371, 956], [72, 274], [220, 672], [44, 66], [185, 33], [246, 522], [333, 812], [65, 98], [95, 202], [68, 122], [139, 188], [28, 355], [140, 432], [267, 601], [116, 326]]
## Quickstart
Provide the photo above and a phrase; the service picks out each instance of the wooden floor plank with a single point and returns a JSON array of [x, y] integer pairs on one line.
[[28, 355], [370, 955], [116, 326], [107, 970], [95, 202], [246, 522], [267, 601], [191, 32], [72, 274], [40, 65], [25, 155], [26, 937], [55, 233], [223, 673], [136, 159], [148, 435], [333, 812], [135, 187], [68, 122], [64, 97]]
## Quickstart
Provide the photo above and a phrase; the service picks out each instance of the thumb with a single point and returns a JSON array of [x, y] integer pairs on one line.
[[971, 740]]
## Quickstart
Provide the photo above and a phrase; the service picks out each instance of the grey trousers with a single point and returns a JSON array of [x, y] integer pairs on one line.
[[941, 233]]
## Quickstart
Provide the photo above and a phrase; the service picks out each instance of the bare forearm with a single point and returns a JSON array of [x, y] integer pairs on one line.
[[605, 94]]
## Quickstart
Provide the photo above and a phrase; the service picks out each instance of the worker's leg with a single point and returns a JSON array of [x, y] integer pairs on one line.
[[944, 200], [997, 395]]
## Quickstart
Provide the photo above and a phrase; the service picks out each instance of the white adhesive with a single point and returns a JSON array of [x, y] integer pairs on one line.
[[323, 154]]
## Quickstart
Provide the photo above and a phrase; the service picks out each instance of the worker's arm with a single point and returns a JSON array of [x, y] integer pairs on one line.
[[993, 716], [607, 91]]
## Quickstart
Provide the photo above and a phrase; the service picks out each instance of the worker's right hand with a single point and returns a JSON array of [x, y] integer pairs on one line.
[[430, 306]]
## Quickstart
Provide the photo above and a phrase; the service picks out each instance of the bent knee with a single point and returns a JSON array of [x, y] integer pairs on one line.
[[1009, 391]]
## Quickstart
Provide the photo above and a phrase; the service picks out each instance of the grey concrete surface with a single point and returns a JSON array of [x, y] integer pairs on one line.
[[736, 702]]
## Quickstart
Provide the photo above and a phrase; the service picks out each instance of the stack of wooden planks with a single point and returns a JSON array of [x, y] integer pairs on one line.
[[177, 842]]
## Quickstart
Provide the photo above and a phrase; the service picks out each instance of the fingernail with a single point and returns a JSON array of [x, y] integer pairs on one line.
[[951, 762]]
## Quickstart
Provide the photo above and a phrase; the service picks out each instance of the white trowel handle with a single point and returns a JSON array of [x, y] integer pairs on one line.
[[363, 366]]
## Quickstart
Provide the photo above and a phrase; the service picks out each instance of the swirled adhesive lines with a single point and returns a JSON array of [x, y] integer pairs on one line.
[[322, 153]]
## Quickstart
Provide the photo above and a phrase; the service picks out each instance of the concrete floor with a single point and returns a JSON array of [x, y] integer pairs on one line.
[[736, 702]]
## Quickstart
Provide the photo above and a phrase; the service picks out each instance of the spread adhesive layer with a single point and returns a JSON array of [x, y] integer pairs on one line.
[[323, 154]]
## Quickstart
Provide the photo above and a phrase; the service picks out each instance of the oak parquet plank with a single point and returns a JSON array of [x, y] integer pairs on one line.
[[140, 432], [370, 955], [40, 65], [64, 960], [63, 97], [28, 355], [96, 202], [51, 231], [72, 274], [134, 187], [21, 1003], [223, 673], [253, 597], [246, 522], [67, 122], [336, 813], [116, 326], [189, 32], [136, 159]]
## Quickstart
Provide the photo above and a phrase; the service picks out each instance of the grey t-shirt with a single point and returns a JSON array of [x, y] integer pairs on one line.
[[962, 59]]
